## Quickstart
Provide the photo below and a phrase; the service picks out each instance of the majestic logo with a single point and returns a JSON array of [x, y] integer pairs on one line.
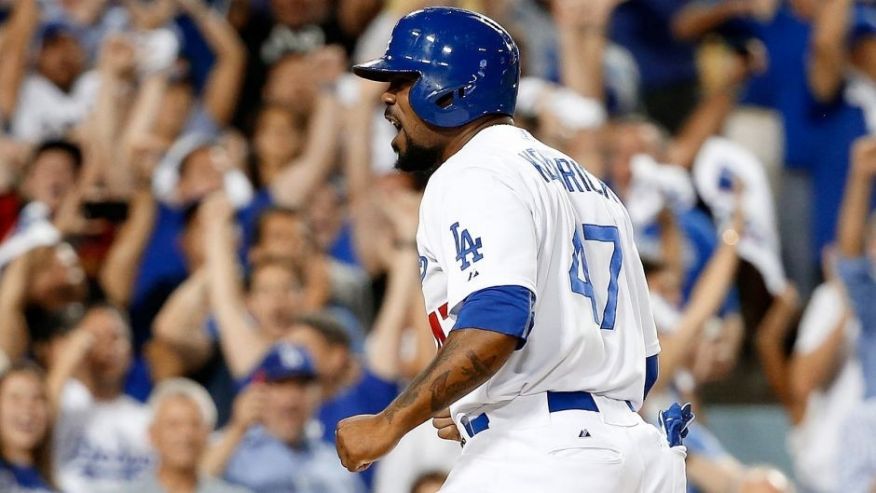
[[465, 246]]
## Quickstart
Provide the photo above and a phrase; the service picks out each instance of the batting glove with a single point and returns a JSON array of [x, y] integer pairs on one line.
[[675, 421]]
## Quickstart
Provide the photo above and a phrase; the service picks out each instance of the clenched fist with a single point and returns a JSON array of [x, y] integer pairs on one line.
[[363, 439]]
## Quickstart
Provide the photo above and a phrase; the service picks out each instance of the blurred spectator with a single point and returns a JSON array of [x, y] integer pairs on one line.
[[183, 417], [38, 291], [857, 469], [825, 383], [182, 111], [293, 29], [100, 437], [692, 352], [48, 202], [55, 95], [275, 294], [666, 64], [25, 421], [267, 446], [146, 261], [212, 327], [857, 254], [49, 177], [161, 243], [283, 233], [840, 79], [350, 387], [420, 454]]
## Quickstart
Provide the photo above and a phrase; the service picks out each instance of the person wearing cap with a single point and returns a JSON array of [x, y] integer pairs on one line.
[[183, 415], [48, 99], [269, 445]]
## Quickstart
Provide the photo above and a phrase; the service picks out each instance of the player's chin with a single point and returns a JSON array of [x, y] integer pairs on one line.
[[416, 158]]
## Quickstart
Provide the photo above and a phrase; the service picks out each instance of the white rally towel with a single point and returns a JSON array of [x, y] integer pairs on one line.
[[33, 229], [861, 92], [574, 111], [236, 185], [655, 186], [720, 162]]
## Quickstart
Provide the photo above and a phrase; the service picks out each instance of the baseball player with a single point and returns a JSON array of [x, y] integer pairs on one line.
[[535, 291]]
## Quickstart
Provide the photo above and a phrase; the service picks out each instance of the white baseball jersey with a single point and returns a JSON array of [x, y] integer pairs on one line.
[[509, 210]]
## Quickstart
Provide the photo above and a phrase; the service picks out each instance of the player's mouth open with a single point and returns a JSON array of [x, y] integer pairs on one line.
[[393, 120]]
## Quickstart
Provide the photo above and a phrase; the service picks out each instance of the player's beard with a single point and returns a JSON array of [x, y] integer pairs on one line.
[[418, 159]]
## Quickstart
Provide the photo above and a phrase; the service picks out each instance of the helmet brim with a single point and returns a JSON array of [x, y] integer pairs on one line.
[[381, 70]]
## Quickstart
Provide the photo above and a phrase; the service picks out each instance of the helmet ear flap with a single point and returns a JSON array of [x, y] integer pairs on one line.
[[446, 100], [436, 105], [429, 100], [451, 97]]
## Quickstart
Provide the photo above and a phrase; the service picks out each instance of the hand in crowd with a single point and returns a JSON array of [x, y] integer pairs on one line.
[[118, 56], [327, 64], [73, 349], [249, 406], [401, 207]]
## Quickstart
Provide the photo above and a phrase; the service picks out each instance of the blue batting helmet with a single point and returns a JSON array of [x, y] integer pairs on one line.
[[466, 64]]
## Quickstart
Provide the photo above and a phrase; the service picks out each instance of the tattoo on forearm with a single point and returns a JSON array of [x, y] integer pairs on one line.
[[445, 392], [446, 384], [409, 396]]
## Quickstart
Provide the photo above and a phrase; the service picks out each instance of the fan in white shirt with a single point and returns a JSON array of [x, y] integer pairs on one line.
[[101, 434], [57, 94]]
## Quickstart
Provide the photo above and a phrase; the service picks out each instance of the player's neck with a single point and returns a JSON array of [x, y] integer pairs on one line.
[[467, 132]]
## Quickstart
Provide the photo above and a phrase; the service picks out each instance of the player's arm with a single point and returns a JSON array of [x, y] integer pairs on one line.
[[484, 238], [467, 360]]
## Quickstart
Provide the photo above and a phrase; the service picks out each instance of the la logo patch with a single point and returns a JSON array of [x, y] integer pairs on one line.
[[465, 246]]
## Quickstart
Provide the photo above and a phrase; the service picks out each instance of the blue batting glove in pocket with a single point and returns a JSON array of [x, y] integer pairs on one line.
[[675, 421]]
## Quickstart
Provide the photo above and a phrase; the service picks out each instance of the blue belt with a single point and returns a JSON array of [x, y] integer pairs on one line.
[[557, 401]]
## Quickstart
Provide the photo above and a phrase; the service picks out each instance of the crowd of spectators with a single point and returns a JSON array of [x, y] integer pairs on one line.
[[207, 260]]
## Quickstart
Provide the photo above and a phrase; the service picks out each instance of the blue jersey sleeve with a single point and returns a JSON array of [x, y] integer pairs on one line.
[[505, 309]]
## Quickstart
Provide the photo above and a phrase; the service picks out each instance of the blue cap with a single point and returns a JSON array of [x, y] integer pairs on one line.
[[862, 23], [54, 29], [284, 361]]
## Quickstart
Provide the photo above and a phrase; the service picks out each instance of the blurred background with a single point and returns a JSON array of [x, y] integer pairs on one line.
[[207, 259]]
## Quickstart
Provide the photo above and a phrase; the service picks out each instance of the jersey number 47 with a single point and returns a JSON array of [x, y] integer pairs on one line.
[[580, 276]]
